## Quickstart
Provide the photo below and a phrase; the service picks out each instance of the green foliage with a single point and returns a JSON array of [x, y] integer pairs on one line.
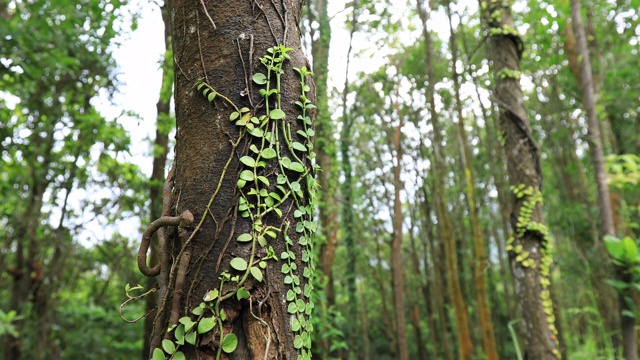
[[269, 131]]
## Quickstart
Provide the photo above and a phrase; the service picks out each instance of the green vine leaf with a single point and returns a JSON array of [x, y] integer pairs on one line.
[[259, 79], [268, 153], [248, 160], [206, 324], [168, 346], [246, 175], [245, 237], [158, 354], [298, 146], [230, 343], [277, 114], [190, 338], [257, 274], [296, 166], [179, 334], [242, 293], [179, 356], [239, 264]]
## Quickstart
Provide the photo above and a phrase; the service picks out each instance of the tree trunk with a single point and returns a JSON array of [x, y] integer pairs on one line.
[[530, 246], [160, 151], [397, 268], [346, 190], [480, 258], [629, 341], [445, 227], [239, 264]]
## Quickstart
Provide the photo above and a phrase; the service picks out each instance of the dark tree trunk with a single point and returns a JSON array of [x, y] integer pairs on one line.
[[237, 269], [530, 246]]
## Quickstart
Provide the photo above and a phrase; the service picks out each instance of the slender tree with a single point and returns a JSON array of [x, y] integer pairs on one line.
[[480, 257], [160, 152], [235, 273], [627, 323], [530, 245], [445, 228], [397, 267]]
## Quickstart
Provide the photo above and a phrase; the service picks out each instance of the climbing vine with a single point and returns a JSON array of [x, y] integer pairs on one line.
[[524, 223], [261, 194]]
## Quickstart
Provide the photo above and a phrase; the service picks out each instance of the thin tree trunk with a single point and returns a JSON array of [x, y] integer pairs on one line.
[[241, 258], [347, 195], [397, 268], [366, 353], [160, 151], [445, 228], [480, 258], [627, 323], [530, 245]]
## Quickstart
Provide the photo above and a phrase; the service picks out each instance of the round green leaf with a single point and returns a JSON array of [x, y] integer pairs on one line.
[[296, 166], [158, 354], [239, 264], [268, 153], [244, 237], [276, 114], [168, 346], [246, 175], [206, 324], [190, 338], [179, 356], [256, 273], [259, 79], [230, 343], [242, 293], [298, 146], [248, 160]]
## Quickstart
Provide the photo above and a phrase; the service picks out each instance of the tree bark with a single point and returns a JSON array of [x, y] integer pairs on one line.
[[530, 246], [241, 258]]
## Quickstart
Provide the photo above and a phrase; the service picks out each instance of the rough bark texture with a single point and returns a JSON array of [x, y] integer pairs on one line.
[[627, 324], [221, 43], [480, 258], [524, 171]]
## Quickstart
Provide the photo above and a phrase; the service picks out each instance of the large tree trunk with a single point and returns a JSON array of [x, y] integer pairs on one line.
[[629, 340], [238, 267], [480, 257], [530, 246], [160, 152]]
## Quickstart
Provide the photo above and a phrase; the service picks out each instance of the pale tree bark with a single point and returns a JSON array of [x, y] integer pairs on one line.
[[530, 246], [627, 324], [237, 267], [480, 257]]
